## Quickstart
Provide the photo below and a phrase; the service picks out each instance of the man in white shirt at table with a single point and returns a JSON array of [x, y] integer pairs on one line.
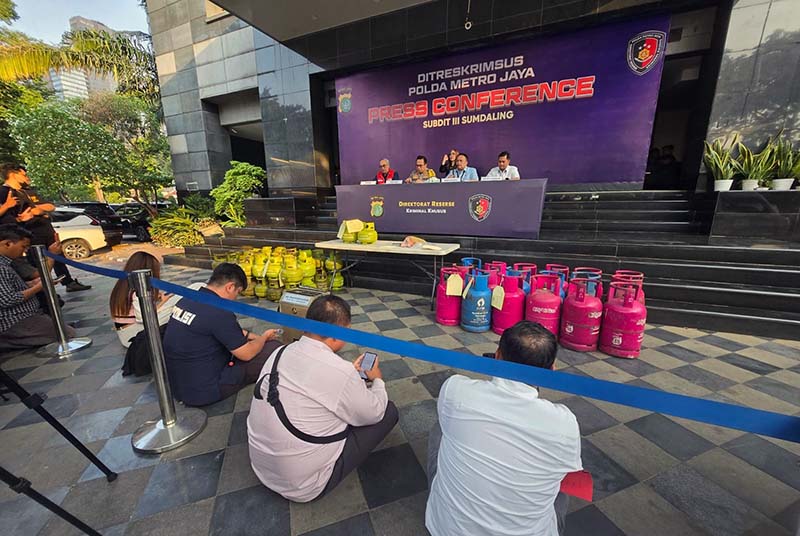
[[325, 400], [499, 452], [504, 169]]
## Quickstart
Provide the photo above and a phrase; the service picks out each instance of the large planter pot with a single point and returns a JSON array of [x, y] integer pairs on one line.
[[749, 184], [723, 186], [782, 184]]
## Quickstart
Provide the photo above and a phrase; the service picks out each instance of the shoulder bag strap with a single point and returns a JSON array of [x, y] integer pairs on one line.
[[275, 402]]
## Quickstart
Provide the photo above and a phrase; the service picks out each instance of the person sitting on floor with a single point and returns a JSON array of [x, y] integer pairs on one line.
[[498, 454], [324, 420], [124, 304], [23, 322], [209, 357]]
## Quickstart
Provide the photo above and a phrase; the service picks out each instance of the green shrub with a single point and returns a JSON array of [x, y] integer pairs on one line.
[[176, 227], [202, 205], [241, 181]]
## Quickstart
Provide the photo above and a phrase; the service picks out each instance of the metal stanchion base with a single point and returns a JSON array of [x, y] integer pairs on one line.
[[58, 350], [153, 437]]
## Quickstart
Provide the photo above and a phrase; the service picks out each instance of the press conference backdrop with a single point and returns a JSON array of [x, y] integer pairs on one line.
[[576, 107]]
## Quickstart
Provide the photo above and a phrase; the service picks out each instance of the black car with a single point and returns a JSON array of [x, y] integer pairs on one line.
[[136, 220], [109, 220]]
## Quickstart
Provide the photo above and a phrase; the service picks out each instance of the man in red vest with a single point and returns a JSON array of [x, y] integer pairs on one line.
[[386, 173]]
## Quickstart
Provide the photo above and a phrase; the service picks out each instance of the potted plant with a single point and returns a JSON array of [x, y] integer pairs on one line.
[[720, 162], [786, 165], [757, 168]]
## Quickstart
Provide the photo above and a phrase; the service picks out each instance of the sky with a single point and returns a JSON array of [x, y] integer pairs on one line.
[[48, 19]]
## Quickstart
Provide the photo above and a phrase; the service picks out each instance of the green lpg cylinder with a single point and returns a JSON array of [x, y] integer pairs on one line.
[[261, 288]]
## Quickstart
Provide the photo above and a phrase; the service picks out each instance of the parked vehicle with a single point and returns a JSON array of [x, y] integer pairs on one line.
[[80, 233], [136, 220], [109, 220]]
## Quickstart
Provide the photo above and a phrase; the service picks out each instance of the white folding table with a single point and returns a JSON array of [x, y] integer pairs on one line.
[[429, 250]]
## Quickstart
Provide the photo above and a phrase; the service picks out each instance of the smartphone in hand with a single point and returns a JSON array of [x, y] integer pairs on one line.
[[367, 363]]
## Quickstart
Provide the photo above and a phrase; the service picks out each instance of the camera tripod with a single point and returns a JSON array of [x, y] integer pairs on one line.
[[20, 485]]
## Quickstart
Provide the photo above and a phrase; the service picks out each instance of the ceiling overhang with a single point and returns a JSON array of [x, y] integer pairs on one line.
[[284, 20]]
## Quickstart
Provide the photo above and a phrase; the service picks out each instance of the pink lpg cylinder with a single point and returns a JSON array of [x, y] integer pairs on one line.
[[500, 266], [448, 308], [580, 317], [624, 320], [513, 305], [493, 274], [631, 276], [544, 302], [528, 269], [559, 269]]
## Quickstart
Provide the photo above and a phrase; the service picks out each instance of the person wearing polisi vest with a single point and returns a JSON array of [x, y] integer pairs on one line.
[[313, 419], [209, 356], [386, 173]]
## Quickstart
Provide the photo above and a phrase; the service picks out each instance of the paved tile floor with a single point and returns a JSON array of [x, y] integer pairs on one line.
[[653, 474]]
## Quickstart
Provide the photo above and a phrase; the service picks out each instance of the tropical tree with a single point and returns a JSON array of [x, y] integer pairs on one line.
[[12, 95], [65, 154], [134, 123], [8, 11], [129, 59]]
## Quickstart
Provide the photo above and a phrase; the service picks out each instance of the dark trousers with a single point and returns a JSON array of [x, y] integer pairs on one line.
[[252, 369], [59, 268], [435, 440], [359, 444]]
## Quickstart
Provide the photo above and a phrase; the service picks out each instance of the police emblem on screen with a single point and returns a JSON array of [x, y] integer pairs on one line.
[[376, 206], [645, 50], [345, 104], [480, 206]]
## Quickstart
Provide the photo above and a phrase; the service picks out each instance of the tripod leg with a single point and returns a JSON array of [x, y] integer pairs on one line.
[[20, 485], [34, 402]]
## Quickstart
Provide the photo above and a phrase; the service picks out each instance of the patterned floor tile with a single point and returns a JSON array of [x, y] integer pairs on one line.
[[360, 524], [405, 517], [640, 510], [770, 358], [767, 494], [188, 520], [768, 457], [639, 456], [255, 510], [718, 512], [608, 476], [343, 503], [670, 436], [591, 419], [180, 482], [590, 520], [391, 474]]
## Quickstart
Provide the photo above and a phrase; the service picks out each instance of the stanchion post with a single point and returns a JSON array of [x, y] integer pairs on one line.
[[175, 427], [65, 346]]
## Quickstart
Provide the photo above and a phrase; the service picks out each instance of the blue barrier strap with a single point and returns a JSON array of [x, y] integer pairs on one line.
[[107, 272], [708, 411]]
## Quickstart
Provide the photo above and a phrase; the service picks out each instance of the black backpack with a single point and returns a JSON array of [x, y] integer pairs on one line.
[[137, 358]]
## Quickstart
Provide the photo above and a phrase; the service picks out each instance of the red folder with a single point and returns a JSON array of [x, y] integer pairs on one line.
[[578, 484]]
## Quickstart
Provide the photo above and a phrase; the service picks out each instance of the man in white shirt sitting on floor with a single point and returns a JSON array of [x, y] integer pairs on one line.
[[314, 419], [499, 452]]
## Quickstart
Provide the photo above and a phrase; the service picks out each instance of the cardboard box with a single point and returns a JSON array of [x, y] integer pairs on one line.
[[296, 302]]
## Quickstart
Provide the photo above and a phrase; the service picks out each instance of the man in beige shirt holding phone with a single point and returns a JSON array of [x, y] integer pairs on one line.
[[314, 419]]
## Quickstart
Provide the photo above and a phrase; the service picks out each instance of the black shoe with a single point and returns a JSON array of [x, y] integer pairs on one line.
[[75, 286]]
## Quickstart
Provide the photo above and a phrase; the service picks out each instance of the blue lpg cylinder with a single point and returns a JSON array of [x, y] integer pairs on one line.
[[476, 308]]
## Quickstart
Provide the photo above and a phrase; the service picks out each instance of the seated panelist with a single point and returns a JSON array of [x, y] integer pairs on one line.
[[422, 173], [462, 170], [386, 173], [504, 169]]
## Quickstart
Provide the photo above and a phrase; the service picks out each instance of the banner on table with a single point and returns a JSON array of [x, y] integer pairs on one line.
[[511, 209], [575, 108]]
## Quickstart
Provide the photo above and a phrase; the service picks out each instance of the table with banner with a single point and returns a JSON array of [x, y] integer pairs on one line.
[[505, 209]]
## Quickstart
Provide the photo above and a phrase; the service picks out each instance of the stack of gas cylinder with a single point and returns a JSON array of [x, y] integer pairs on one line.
[[571, 304], [271, 270]]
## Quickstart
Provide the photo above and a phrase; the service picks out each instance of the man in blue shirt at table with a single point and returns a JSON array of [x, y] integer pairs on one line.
[[209, 357], [462, 170]]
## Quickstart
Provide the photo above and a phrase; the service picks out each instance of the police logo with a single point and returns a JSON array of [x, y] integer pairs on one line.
[[644, 51], [345, 102], [376, 206], [480, 206]]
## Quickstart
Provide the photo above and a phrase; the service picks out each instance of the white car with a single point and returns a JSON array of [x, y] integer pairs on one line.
[[80, 234]]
